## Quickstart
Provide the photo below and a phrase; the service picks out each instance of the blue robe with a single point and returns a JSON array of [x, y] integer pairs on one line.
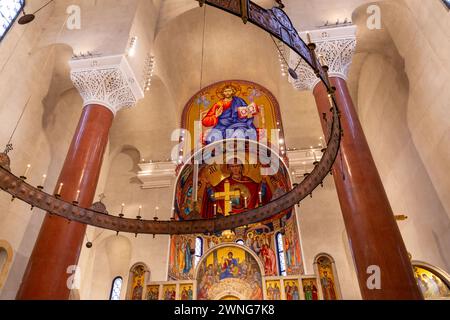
[[229, 120], [187, 260]]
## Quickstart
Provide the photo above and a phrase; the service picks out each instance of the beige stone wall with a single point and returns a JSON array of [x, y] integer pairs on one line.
[[34, 77], [420, 30], [27, 75], [323, 231], [112, 255], [399, 83], [383, 100]]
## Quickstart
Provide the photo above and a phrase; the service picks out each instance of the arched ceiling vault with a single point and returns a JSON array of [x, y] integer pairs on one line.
[[305, 14], [231, 50]]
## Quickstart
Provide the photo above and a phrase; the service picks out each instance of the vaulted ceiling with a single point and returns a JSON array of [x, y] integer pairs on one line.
[[306, 14]]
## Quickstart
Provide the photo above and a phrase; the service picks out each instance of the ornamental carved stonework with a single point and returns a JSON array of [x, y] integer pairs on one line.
[[336, 51], [108, 81], [104, 86]]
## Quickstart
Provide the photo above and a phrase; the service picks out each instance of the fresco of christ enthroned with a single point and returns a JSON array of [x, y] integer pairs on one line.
[[230, 117]]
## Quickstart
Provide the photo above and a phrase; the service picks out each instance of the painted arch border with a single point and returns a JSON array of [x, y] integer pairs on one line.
[[267, 92], [228, 245], [433, 269]]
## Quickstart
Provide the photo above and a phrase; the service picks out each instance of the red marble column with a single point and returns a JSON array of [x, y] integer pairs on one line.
[[59, 242], [374, 236]]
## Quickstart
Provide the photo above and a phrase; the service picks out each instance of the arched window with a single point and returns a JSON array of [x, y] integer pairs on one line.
[[9, 10], [198, 250], [280, 252], [240, 241], [447, 3], [116, 288]]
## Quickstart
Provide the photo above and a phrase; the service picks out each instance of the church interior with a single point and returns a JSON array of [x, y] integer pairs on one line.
[[224, 150]]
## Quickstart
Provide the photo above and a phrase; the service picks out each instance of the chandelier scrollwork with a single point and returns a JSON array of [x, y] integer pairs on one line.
[[278, 24]]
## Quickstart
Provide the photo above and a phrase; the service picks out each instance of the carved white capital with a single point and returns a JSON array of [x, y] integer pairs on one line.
[[336, 45], [108, 81]]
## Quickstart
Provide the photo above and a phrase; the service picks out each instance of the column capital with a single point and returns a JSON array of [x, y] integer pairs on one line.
[[336, 45], [108, 81]]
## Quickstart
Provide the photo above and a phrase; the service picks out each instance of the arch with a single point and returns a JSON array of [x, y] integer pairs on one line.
[[6, 258], [433, 282], [213, 284], [262, 151], [229, 295], [207, 253], [270, 113], [324, 263], [138, 278]]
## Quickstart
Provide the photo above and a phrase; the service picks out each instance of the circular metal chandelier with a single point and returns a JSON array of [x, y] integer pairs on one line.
[[277, 23]]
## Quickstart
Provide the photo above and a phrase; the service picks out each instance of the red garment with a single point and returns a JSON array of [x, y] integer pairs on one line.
[[252, 201], [210, 120]]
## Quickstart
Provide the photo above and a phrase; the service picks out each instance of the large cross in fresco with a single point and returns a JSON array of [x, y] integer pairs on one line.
[[227, 195]]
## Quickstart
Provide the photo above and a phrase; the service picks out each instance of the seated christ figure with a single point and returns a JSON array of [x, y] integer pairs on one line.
[[231, 117]]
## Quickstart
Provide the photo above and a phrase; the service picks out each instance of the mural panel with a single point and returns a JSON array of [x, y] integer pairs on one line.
[[235, 185], [228, 189], [187, 291], [431, 284], [310, 289], [137, 282], [230, 108], [273, 289], [292, 248], [153, 292], [229, 269], [327, 278], [291, 289], [169, 292]]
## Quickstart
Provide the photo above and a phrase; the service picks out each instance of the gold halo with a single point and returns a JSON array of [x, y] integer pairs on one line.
[[236, 88]]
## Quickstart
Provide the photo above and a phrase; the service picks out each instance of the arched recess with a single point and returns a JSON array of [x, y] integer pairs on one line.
[[433, 282], [138, 278], [214, 283], [182, 73], [112, 259], [148, 123], [6, 258], [325, 268]]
